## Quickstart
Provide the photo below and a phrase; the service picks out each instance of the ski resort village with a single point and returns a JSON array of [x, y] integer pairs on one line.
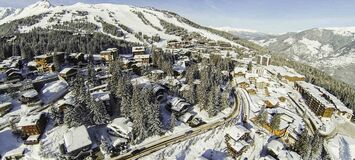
[[107, 81]]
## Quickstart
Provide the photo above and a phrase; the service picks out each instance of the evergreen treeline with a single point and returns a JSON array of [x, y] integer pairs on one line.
[[76, 26], [40, 41], [224, 34], [340, 89], [86, 111], [145, 21], [13, 26], [164, 61], [111, 29], [172, 28], [137, 103], [208, 92]]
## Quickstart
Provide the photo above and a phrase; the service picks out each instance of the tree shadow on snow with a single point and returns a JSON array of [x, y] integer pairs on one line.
[[211, 154]]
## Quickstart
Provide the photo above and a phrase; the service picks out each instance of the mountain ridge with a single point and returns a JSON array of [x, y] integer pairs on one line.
[[130, 20]]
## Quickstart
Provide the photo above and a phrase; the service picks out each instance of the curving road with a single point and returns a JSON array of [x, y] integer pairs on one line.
[[176, 138]]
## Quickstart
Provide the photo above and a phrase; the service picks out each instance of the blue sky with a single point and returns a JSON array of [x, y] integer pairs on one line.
[[271, 16]]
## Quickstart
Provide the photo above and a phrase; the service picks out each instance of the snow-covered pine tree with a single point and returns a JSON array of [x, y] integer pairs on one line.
[[126, 99], [98, 112], [152, 112], [225, 100], [139, 129], [172, 121], [275, 123], [92, 81]]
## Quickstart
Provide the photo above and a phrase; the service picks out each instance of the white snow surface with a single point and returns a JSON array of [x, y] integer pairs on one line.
[[312, 46], [111, 13]]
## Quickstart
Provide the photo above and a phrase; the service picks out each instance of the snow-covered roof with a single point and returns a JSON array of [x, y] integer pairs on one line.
[[33, 138], [251, 75], [283, 71], [141, 56], [275, 146], [157, 71], [239, 80], [318, 93], [238, 145], [101, 96], [32, 63], [29, 120], [119, 141], [15, 152], [4, 105], [138, 49], [42, 56], [185, 117], [289, 155], [30, 93], [76, 138], [123, 124], [268, 157], [262, 80], [140, 80], [237, 132], [178, 107], [66, 70], [54, 90]]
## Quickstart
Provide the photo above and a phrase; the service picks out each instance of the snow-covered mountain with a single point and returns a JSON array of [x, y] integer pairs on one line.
[[329, 49], [129, 20], [245, 33], [7, 11]]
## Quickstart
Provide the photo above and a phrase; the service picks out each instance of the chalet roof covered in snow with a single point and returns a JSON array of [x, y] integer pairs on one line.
[[238, 145], [140, 80], [275, 146], [76, 138], [237, 132], [54, 90], [239, 80], [15, 152], [32, 64], [66, 70], [29, 120], [30, 93], [262, 80], [138, 49], [143, 56], [101, 96], [289, 155], [123, 124], [4, 105]]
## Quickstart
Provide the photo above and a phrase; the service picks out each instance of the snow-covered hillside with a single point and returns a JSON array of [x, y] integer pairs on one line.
[[245, 33], [329, 49], [138, 20], [7, 11]]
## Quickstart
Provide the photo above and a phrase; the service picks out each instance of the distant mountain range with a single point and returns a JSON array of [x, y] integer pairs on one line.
[[329, 49]]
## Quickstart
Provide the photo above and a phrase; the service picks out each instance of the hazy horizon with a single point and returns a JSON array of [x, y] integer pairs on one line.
[[276, 16]]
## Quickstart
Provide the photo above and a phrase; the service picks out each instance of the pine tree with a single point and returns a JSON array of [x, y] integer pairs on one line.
[[250, 66], [126, 105], [56, 61], [172, 122], [302, 146], [139, 129], [225, 100], [275, 123], [91, 75], [98, 111]]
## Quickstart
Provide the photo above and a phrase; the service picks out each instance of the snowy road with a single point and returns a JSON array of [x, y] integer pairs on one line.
[[173, 139]]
